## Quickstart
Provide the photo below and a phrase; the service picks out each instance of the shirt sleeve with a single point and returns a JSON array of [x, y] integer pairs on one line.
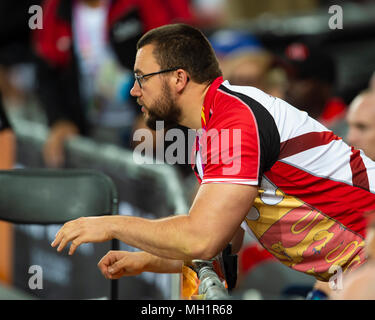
[[230, 147]]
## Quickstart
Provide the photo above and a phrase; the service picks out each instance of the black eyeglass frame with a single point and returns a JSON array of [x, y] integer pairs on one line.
[[139, 78]]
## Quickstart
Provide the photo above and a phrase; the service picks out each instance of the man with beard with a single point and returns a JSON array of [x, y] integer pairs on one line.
[[262, 165], [163, 109]]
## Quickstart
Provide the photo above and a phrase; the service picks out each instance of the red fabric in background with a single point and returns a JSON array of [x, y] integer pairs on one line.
[[252, 255]]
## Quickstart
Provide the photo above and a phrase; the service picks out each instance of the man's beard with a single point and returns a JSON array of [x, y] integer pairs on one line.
[[163, 109]]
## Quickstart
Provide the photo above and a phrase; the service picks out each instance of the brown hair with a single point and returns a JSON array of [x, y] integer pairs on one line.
[[185, 47]]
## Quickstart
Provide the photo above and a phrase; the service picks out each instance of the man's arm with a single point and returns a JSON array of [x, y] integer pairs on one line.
[[116, 264], [237, 241], [213, 220], [58, 92]]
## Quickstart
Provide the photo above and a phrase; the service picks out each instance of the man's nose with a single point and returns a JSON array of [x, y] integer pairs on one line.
[[135, 91]]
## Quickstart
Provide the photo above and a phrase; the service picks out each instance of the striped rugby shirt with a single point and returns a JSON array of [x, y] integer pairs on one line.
[[313, 188]]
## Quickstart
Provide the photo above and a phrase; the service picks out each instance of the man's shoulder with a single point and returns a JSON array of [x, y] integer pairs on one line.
[[228, 98], [241, 105], [243, 94]]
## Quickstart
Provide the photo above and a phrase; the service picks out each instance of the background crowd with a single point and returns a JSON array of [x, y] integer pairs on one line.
[[74, 77]]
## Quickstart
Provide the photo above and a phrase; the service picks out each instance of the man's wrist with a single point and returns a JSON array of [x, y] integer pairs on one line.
[[112, 226], [157, 264], [149, 261]]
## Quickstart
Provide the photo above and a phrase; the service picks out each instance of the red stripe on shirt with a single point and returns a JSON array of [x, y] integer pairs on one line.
[[305, 142], [337, 200], [359, 172]]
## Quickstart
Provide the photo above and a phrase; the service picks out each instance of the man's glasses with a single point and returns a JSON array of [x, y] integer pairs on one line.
[[140, 79]]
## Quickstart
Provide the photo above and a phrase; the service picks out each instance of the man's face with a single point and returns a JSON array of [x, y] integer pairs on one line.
[[361, 121], [155, 96]]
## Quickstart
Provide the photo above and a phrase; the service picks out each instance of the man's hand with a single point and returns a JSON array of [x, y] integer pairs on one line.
[[82, 230], [116, 264]]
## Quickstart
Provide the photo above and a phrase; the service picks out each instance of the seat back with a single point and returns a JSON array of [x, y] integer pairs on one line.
[[56, 196], [49, 196]]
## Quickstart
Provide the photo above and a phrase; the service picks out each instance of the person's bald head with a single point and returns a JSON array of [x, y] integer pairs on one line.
[[361, 121]]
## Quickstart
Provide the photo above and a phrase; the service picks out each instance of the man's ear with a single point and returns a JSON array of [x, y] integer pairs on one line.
[[181, 79]]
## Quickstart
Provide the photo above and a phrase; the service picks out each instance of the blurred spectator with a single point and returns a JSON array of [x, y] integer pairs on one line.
[[244, 61], [245, 9], [14, 31], [16, 55], [15, 61], [372, 82], [251, 255], [360, 284], [228, 41], [312, 78], [87, 50], [7, 140], [361, 121], [7, 157], [210, 13], [260, 271], [256, 69]]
